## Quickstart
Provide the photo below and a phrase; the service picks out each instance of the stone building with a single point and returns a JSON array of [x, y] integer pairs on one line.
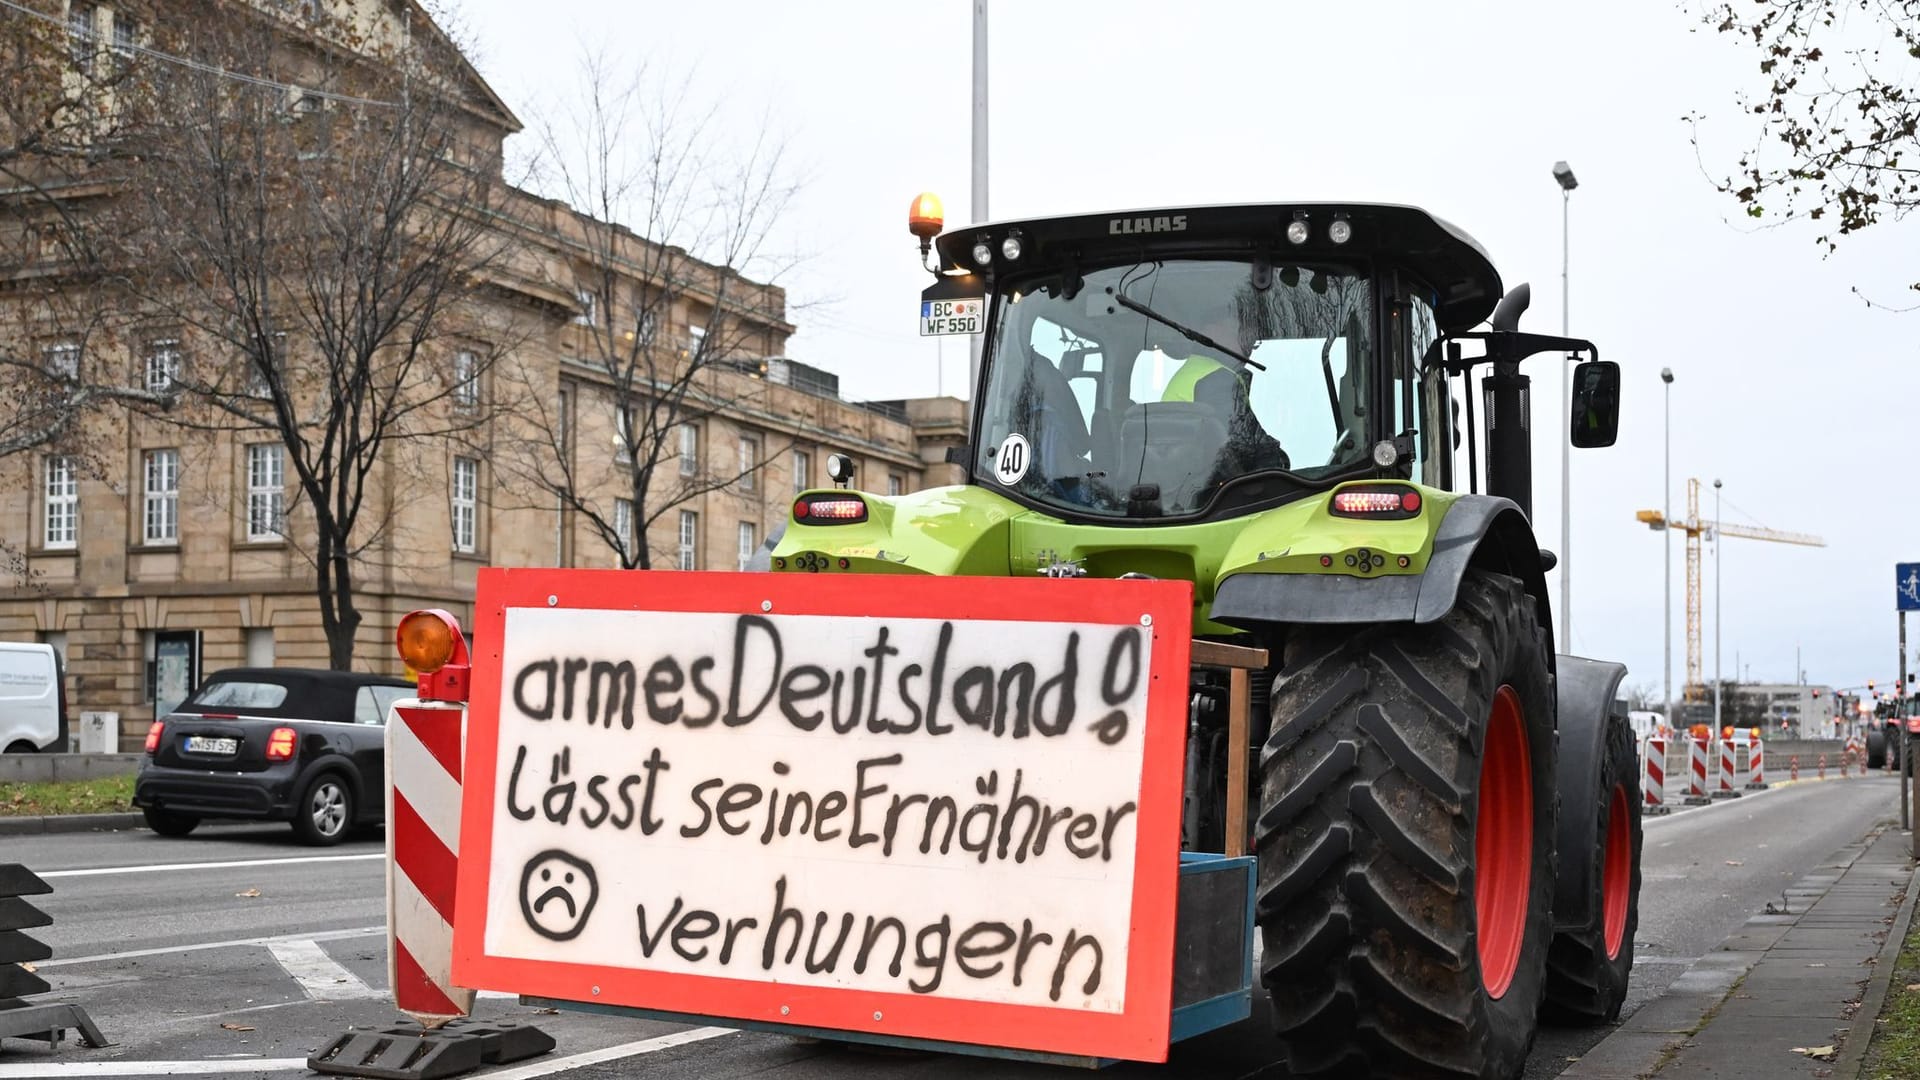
[[162, 552]]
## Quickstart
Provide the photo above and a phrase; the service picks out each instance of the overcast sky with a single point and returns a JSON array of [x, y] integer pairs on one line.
[[1805, 402]]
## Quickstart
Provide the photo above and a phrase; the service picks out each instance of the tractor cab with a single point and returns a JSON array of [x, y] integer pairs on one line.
[[1201, 364]]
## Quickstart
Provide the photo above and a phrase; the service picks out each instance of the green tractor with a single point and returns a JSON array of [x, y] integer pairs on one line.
[[1259, 400]]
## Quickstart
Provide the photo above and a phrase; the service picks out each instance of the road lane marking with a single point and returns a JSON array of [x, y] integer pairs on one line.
[[167, 950], [204, 1017], [1692, 813], [320, 975], [611, 1053], [150, 1068], [159, 868]]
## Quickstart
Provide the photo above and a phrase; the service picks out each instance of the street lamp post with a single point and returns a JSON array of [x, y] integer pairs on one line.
[[1666, 509], [1564, 175], [1716, 605], [975, 341]]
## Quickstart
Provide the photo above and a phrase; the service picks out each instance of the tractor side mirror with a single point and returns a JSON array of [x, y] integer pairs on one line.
[[1596, 403]]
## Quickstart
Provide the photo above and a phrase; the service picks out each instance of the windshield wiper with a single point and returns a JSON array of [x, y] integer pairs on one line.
[[1188, 332]]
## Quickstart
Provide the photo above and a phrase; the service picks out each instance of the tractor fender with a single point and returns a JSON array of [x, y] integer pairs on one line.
[[1587, 700], [1478, 530]]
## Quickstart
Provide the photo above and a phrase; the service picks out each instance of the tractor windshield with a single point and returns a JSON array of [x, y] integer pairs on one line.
[[1149, 389]]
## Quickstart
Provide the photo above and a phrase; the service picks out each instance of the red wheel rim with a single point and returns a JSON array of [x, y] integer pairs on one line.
[[1503, 843], [1616, 876]]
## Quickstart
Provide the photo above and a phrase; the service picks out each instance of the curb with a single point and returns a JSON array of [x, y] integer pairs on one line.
[[70, 823], [1641, 1045], [1853, 1053]]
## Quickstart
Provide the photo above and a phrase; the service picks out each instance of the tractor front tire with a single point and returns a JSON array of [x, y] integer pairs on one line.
[[1405, 841], [1587, 969], [1876, 750]]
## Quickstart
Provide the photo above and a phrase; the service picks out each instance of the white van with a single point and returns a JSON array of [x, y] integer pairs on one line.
[[33, 699]]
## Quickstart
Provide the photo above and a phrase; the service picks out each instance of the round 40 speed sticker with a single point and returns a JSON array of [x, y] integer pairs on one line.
[[1011, 460]]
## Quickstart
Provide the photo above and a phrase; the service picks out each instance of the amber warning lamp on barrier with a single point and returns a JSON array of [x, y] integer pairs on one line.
[[430, 644]]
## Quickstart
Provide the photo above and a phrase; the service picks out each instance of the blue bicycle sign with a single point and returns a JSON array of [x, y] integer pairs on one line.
[[1906, 580]]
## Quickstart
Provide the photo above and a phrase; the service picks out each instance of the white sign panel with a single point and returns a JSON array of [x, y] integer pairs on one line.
[[905, 805]]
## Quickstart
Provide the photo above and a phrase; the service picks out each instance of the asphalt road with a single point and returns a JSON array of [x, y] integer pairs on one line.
[[236, 953]]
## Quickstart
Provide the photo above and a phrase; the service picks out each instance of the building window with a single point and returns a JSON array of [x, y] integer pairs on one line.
[[63, 504], [466, 379], [749, 543], [267, 356], [622, 433], [259, 646], [896, 484], [589, 311], [749, 461], [266, 491], [80, 29], [466, 501], [689, 449], [802, 471], [62, 360], [125, 35], [163, 365], [162, 515], [696, 337], [689, 540], [623, 526]]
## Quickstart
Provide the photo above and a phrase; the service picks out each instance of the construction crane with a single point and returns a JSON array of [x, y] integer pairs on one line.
[[1695, 529]]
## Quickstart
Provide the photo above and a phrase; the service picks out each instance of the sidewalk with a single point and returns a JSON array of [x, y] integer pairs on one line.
[[27, 825], [1784, 980]]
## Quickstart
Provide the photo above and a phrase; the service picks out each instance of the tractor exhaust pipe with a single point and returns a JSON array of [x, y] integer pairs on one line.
[[1506, 314], [1509, 410]]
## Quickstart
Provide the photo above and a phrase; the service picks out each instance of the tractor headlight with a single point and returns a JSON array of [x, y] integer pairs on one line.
[[1010, 247], [982, 253], [1297, 231], [1340, 231]]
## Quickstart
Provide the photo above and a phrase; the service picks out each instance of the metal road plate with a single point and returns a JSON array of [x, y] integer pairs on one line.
[[206, 744], [942, 317]]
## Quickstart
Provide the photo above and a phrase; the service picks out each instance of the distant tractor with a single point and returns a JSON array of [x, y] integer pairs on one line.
[[1260, 400]]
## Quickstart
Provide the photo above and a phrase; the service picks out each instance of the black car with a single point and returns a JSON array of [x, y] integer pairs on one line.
[[272, 744]]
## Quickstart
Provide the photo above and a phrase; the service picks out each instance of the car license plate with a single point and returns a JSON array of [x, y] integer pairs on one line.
[[207, 744], [939, 318]]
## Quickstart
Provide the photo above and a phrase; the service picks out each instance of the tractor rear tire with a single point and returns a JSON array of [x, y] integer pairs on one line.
[[1876, 750], [1587, 970], [1405, 840]]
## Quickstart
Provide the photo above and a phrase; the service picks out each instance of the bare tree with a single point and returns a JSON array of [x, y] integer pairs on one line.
[[1838, 114], [72, 94], [321, 249], [72, 97], [676, 311], [1642, 696]]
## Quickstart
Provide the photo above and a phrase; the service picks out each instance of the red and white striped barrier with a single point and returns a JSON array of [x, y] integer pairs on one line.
[[1653, 776], [1793, 767], [1823, 766], [424, 746], [1757, 765], [1724, 783], [1697, 769]]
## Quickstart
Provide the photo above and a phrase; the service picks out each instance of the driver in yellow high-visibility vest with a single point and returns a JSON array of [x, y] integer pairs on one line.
[[1206, 378]]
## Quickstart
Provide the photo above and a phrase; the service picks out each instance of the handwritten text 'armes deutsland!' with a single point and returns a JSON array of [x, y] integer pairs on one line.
[[924, 695]]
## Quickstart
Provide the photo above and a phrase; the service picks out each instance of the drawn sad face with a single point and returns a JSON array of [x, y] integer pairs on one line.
[[557, 893]]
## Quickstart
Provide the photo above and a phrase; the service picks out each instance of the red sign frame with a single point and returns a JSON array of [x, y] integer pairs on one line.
[[1139, 1033]]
